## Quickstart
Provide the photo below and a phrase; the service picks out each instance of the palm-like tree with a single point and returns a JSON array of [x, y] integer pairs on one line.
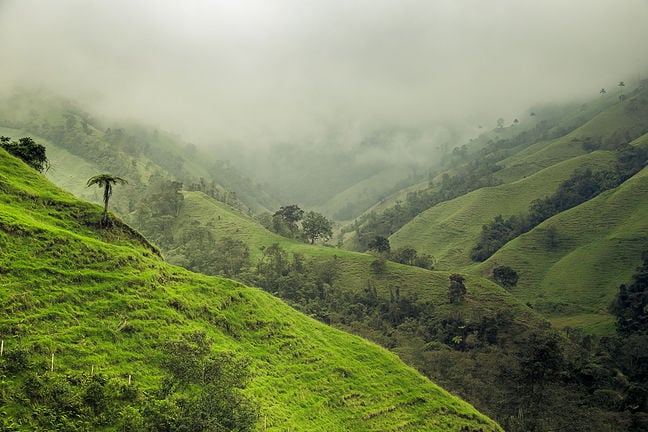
[[106, 181]]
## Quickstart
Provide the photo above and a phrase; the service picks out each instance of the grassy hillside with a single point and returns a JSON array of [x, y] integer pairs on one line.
[[354, 268], [505, 155], [449, 230], [598, 247], [102, 299], [610, 123], [574, 283], [465, 345], [486, 160]]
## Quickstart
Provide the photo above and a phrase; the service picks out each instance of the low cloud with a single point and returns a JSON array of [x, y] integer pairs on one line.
[[254, 73]]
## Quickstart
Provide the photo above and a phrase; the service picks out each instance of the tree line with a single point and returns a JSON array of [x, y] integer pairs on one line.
[[581, 186]]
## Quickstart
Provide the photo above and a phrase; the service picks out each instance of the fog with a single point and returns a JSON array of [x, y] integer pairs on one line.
[[258, 72]]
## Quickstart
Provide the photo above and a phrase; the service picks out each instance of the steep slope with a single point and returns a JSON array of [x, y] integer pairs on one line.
[[598, 245], [620, 122], [589, 269], [508, 154], [465, 344], [449, 230], [483, 161], [102, 299]]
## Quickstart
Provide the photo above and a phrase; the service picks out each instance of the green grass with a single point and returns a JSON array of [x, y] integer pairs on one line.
[[449, 230], [601, 240], [104, 299], [354, 267], [599, 245], [607, 119]]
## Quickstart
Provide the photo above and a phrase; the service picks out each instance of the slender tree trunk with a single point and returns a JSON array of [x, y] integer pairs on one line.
[[104, 217], [106, 197]]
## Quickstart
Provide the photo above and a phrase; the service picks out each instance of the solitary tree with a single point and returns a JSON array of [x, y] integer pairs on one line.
[[405, 255], [316, 226], [505, 276], [106, 181]]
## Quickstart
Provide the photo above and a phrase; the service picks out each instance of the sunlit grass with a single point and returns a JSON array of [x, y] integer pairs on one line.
[[104, 301]]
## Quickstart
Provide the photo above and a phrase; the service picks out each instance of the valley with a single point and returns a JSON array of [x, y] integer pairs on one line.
[[205, 215]]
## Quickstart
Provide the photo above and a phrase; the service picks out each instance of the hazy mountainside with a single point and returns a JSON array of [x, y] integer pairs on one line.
[[354, 200], [89, 314], [528, 167], [484, 345], [464, 331], [346, 172], [548, 136], [78, 143], [619, 123]]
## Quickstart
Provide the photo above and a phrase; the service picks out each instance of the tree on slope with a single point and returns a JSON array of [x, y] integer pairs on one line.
[[457, 289], [28, 150], [106, 181], [285, 220], [315, 225], [631, 304], [380, 244]]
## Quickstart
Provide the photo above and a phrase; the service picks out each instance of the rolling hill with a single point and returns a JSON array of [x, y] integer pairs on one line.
[[572, 286], [465, 345], [96, 300], [449, 230], [476, 347], [598, 247]]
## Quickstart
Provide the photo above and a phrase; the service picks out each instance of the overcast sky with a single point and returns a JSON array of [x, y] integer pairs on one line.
[[281, 70]]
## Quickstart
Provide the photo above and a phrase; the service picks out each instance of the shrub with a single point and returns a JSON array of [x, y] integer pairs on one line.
[[505, 276], [26, 149]]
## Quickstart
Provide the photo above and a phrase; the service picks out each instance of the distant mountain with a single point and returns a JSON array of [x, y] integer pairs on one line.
[[80, 144], [589, 234], [345, 172]]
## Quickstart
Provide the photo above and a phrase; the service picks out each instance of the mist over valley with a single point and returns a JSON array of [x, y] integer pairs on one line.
[[324, 215]]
